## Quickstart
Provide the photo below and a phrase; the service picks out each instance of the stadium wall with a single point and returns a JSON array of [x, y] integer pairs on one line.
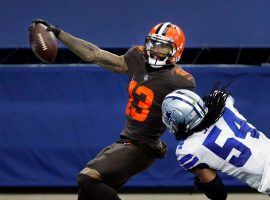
[[55, 118], [124, 23]]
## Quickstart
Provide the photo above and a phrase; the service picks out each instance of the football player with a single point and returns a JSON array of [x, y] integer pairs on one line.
[[153, 74], [215, 136]]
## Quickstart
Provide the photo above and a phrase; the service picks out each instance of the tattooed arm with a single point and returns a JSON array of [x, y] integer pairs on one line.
[[91, 53]]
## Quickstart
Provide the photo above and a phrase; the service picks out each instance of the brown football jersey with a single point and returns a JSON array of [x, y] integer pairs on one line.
[[147, 90]]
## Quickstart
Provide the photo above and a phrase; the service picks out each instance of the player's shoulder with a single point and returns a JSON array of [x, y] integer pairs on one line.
[[135, 52], [139, 48], [135, 49], [182, 78], [229, 107], [231, 111], [135, 59], [229, 101], [179, 71], [191, 143], [187, 153]]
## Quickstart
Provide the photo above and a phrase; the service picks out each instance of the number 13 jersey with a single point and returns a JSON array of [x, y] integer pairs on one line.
[[147, 90], [231, 145]]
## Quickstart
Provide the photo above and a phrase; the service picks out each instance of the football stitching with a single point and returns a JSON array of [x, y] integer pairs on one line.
[[42, 42]]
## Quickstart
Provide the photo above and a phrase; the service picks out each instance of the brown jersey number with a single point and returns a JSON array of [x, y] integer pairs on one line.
[[143, 105]]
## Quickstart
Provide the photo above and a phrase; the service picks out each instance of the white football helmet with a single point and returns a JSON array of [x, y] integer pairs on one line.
[[182, 108]]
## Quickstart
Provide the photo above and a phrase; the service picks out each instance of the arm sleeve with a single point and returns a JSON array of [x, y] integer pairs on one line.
[[214, 189]]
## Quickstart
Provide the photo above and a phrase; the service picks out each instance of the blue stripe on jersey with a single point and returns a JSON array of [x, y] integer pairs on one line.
[[191, 163], [184, 159]]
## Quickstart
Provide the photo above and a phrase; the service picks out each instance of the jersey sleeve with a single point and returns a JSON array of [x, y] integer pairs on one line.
[[133, 58], [186, 157]]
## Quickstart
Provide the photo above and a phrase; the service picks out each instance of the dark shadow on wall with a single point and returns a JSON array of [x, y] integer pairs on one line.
[[247, 56]]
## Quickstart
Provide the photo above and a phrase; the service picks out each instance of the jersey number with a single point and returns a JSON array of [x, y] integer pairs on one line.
[[240, 128], [143, 106]]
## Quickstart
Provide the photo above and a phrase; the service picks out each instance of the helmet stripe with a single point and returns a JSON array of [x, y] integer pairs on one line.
[[192, 99], [159, 27], [163, 28], [195, 107], [166, 29]]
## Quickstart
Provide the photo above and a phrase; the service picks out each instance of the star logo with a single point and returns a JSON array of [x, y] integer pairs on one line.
[[169, 115]]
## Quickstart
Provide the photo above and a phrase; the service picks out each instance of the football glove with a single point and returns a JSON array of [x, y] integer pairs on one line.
[[55, 29]]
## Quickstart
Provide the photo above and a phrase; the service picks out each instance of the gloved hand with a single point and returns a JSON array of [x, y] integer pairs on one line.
[[55, 29]]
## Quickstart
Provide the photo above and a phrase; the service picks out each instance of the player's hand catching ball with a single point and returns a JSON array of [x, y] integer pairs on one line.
[[43, 42], [56, 30]]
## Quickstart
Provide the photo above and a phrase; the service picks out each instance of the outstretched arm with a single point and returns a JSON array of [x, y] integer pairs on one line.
[[207, 181], [88, 51], [91, 53]]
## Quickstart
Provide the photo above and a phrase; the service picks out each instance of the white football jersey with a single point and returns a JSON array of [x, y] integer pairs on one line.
[[231, 145]]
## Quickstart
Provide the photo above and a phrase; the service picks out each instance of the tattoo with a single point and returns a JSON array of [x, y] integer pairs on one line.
[[93, 54], [111, 61]]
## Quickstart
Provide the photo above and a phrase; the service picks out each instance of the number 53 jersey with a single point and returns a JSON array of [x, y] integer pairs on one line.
[[147, 90], [231, 145]]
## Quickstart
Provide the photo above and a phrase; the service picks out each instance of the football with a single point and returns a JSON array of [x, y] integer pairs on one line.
[[43, 43]]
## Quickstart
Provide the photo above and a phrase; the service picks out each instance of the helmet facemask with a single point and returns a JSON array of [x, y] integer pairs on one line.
[[158, 51]]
